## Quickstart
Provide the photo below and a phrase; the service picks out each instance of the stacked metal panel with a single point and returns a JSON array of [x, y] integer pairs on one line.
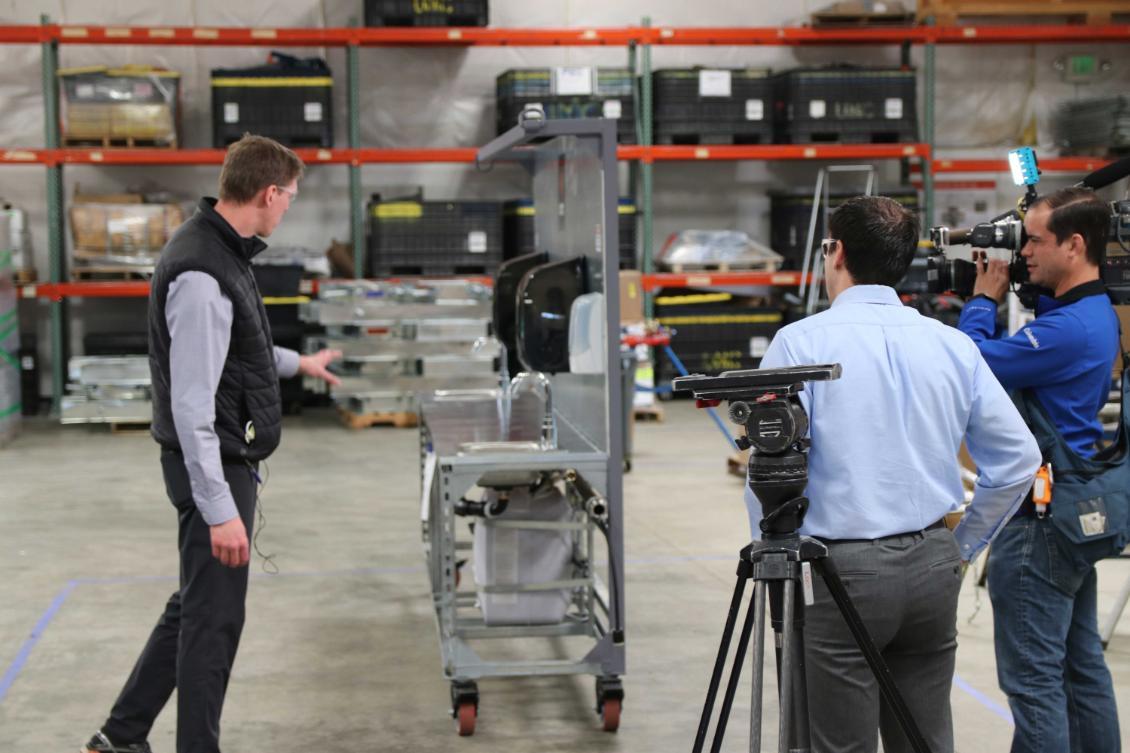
[[10, 403], [403, 339], [107, 390], [1094, 125]]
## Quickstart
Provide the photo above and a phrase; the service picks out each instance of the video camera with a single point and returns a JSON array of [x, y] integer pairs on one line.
[[764, 402], [935, 273]]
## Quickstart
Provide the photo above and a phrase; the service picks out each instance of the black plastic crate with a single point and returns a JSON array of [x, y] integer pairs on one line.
[[289, 99], [518, 230], [115, 343], [426, 13], [563, 93], [790, 211], [280, 281], [713, 106], [845, 105], [713, 332], [434, 237]]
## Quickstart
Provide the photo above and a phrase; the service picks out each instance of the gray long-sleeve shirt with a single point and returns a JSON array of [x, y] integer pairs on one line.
[[199, 316]]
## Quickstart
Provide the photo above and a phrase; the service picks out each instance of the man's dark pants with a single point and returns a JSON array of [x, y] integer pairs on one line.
[[193, 646], [905, 589]]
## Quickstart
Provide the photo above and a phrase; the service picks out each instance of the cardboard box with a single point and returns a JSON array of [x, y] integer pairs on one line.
[[102, 231], [631, 297]]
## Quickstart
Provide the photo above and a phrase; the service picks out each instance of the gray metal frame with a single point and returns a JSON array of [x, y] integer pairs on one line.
[[574, 171]]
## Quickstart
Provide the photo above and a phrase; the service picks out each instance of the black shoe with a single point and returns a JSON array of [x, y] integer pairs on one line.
[[101, 744]]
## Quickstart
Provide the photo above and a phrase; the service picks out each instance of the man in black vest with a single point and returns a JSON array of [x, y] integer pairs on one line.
[[216, 415]]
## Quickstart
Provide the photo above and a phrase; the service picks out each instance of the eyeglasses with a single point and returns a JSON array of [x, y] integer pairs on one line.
[[292, 194], [828, 245]]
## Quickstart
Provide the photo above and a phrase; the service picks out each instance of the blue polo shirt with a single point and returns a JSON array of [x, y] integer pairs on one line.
[[886, 435], [1065, 355]]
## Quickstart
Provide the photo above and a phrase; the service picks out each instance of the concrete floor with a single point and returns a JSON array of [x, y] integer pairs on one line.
[[340, 650]]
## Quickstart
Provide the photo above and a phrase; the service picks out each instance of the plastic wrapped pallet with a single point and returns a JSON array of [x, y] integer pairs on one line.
[[122, 230], [10, 404], [506, 554], [133, 105]]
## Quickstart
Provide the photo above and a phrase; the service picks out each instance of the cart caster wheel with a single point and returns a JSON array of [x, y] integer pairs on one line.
[[466, 715], [610, 714]]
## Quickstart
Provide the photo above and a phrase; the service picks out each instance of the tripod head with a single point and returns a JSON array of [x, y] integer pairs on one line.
[[764, 403]]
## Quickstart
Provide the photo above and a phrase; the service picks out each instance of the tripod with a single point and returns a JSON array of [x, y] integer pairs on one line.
[[776, 565]]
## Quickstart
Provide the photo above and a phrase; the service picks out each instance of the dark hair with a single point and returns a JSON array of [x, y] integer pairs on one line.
[[254, 163], [879, 238], [1078, 210]]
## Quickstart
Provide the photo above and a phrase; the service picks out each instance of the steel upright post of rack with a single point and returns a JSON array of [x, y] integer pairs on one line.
[[646, 167], [356, 208], [928, 80], [56, 270]]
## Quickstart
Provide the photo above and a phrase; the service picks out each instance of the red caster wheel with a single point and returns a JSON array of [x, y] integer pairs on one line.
[[610, 714], [465, 718]]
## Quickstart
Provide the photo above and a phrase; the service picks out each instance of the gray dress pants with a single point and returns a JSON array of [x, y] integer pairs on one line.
[[905, 589]]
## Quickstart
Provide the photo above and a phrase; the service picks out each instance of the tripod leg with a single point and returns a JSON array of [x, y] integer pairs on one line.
[[788, 604], [723, 650], [874, 659], [735, 675], [758, 666]]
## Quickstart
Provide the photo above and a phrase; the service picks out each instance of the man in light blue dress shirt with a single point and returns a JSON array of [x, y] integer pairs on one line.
[[883, 473]]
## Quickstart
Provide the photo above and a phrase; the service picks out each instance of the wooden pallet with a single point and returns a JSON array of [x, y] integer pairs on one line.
[[950, 12], [839, 19], [738, 464], [127, 428], [722, 267], [116, 142], [106, 272], [399, 419], [709, 139], [648, 413]]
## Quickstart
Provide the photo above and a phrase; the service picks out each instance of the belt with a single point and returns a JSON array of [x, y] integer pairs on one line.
[[1027, 508], [940, 523]]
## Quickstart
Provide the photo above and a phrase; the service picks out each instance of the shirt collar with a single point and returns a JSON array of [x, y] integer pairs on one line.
[[1079, 292], [883, 295], [245, 247]]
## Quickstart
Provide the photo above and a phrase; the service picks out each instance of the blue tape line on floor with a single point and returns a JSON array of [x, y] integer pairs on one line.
[[983, 699], [36, 633]]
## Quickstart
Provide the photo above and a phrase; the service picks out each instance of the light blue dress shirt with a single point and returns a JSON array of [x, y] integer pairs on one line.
[[885, 436]]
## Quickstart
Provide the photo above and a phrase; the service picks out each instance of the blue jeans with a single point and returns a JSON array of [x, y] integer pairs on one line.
[[1049, 655]]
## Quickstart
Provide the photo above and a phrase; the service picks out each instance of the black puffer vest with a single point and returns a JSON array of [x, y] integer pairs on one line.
[[248, 408]]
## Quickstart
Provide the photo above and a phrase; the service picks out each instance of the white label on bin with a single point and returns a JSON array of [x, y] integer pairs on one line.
[[612, 108], [892, 108], [574, 80], [83, 91], [713, 83], [231, 112], [754, 109], [313, 112], [477, 242], [27, 363], [758, 346], [817, 108]]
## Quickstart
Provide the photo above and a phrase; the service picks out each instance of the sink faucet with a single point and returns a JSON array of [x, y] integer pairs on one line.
[[481, 344], [543, 388]]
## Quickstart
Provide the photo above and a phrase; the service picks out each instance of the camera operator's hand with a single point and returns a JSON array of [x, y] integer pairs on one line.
[[992, 276]]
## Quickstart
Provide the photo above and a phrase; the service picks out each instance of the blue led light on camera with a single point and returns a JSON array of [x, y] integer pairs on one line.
[[1022, 161]]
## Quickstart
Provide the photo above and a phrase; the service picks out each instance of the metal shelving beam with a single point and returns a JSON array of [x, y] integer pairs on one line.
[[571, 37], [56, 269], [356, 207]]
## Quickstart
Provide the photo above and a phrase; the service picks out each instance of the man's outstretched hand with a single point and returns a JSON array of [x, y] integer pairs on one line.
[[315, 365]]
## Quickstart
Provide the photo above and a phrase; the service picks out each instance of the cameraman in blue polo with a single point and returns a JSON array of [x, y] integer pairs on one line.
[[1049, 654]]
